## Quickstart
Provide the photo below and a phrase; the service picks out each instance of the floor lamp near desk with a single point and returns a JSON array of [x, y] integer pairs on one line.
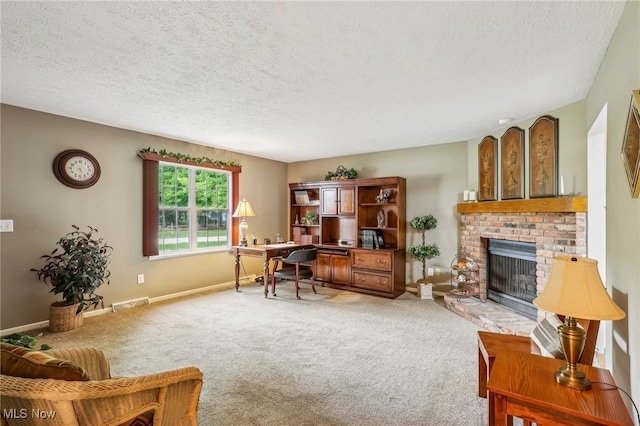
[[243, 211], [575, 290]]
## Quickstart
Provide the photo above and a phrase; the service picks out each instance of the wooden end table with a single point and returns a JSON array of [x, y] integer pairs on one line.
[[523, 385]]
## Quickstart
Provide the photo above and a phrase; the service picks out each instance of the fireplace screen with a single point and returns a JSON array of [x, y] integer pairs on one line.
[[511, 275]]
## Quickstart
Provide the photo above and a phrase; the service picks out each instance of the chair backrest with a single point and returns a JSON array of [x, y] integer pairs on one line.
[[302, 256]]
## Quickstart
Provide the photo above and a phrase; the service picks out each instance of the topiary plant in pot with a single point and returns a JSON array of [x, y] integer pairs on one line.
[[424, 251], [75, 272]]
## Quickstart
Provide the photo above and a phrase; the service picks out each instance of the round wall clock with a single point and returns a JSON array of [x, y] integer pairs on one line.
[[76, 168]]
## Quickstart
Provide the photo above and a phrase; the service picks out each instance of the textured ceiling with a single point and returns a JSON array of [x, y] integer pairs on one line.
[[295, 81]]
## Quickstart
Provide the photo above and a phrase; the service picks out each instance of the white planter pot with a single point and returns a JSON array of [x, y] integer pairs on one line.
[[425, 291]]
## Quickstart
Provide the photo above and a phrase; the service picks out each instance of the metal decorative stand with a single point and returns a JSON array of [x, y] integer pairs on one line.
[[465, 280]]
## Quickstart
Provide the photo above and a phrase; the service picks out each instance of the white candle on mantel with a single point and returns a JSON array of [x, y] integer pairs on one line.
[[561, 185], [465, 195], [472, 195]]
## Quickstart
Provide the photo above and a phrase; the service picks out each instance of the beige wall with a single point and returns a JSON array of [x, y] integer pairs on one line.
[[43, 210], [620, 74], [436, 176]]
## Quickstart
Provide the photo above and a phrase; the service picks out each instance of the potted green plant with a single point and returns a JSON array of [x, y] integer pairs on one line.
[[310, 218], [75, 272], [341, 173], [424, 251]]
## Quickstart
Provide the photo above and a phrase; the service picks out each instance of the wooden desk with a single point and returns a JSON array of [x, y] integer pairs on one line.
[[266, 252], [523, 385]]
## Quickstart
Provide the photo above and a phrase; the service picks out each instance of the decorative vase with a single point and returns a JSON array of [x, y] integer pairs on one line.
[[63, 317]]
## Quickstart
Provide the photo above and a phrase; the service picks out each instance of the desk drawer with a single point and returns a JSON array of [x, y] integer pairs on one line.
[[370, 259]]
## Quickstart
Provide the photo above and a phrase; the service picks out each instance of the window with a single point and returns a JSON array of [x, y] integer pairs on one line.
[[187, 207], [193, 206]]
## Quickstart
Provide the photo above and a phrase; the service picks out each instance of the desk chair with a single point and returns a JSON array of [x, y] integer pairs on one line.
[[300, 267], [489, 344]]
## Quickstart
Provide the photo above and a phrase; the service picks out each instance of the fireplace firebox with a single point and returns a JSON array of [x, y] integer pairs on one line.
[[511, 275]]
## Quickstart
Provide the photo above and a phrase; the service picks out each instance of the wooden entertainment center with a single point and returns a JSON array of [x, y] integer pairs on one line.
[[360, 234]]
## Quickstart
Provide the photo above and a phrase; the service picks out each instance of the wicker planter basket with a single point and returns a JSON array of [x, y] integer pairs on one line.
[[64, 318]]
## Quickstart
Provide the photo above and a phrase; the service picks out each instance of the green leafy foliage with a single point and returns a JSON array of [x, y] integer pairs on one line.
[[183, 157], [211, 188], [78, 269], [24, 340], [310, 218], [423, 223], [424, 251], [341, 173]]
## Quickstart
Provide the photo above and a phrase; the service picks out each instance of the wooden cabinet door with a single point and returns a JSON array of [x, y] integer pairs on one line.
[[323, 267], [329, 199], [340, 201], [341, 268], [333, 268], [347, 202]]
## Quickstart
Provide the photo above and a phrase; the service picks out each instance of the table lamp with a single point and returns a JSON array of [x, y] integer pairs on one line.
[[575, 290], [244, 210]]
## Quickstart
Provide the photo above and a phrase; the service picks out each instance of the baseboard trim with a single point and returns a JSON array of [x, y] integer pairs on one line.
[[247, 280]]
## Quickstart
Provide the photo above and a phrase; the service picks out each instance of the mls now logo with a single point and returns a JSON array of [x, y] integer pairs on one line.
[[23, 413], [14, 413]]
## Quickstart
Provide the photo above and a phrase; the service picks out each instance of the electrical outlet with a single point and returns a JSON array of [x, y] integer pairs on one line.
[[430, 272], [6, 225], [140, 278]]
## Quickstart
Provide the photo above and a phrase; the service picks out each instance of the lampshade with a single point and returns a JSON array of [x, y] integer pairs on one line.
[[575, 289], [244, 209]]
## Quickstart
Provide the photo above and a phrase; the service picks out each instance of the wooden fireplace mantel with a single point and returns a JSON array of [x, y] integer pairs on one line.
[[536, 205]]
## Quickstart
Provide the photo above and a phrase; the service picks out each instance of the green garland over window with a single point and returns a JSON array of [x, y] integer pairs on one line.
[[182, 157]]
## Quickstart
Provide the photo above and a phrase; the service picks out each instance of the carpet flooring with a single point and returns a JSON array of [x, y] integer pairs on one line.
[[333, 358]]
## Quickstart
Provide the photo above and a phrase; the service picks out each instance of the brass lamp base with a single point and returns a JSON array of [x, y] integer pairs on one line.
[[573, 378], [572, 339]]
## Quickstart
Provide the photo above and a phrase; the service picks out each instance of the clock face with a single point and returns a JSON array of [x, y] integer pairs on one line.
[[80, 168], [76, 168]]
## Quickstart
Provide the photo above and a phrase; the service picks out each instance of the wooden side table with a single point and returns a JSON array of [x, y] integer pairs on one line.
[[491, 344], [523, 385]]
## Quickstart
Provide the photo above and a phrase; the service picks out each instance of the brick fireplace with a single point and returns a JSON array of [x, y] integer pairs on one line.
[[557, 226]]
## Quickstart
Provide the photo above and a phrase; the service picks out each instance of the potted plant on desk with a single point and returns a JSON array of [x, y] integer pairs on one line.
[[76, 272]]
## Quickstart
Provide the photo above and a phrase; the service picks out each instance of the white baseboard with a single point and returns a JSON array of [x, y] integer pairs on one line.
[[247, 280]]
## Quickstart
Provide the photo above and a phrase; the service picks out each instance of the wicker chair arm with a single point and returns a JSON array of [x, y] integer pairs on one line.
[[172, 396], [91, 359]]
